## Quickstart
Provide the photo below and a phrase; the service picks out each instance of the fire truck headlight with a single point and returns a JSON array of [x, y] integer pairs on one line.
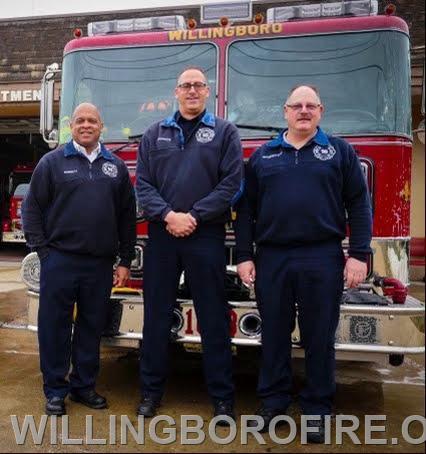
[[30, 271]]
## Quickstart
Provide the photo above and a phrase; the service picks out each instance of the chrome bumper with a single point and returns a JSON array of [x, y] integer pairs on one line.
[[365, 332]]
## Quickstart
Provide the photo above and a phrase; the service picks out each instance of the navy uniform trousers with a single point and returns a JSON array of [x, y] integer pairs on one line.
[[65, 279], [202, 257], [311, 277]]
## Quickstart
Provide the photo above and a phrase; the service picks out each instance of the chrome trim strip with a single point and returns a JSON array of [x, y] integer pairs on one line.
[[411, 307], [354, 348]]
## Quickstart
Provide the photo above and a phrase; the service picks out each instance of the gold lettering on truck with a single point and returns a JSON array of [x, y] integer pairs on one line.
[[228, 32]]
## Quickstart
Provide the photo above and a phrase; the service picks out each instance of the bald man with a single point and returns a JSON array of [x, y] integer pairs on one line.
[[78, 215], [299, 187]]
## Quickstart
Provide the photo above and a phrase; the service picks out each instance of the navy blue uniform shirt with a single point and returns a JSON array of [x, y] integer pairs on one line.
[[201, 174], [299, 197], [81, 207]]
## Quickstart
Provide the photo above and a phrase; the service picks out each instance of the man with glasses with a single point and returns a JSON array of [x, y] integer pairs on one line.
[[189, 174], [299, 187]]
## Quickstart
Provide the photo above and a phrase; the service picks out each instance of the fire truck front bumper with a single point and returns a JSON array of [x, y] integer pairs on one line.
[[365, 333]]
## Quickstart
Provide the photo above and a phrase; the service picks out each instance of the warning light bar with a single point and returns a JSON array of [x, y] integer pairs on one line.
[[237, 11], [136, 25], [342, 8]]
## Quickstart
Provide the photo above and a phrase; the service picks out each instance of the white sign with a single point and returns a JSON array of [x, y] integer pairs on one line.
[[19, 95]]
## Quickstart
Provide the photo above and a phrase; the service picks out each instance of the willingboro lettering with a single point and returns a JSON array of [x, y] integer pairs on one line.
[[225, 32]]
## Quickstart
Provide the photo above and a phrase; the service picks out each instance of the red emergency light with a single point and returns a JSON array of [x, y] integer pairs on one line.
[[77, 33], [6, 226], [258, 19], [224, 21], [191, 23], [390, 9]]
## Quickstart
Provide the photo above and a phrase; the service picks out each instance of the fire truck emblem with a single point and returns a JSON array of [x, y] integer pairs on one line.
[[204, 135], [110, 169], [324, 154]]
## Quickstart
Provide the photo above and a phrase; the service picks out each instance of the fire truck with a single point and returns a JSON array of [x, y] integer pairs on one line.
[[358, 59], [18, 183]]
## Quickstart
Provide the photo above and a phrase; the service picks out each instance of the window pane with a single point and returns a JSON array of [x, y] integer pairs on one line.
[[363, 79], [132, 87]]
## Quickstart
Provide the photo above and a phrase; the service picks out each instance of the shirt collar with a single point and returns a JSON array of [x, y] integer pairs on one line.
[[320, 138], [207, 119], [71, 150], [83, 150]]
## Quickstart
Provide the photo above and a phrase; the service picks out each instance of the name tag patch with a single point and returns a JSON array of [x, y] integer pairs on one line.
[[271, 156], [70, 171]]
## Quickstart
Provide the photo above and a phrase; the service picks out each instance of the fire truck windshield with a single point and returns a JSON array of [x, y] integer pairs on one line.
[[363, 79], [132, 87]]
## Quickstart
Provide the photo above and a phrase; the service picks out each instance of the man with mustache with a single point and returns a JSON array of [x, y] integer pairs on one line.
[[299, 187], [78, 215], [189, 174]]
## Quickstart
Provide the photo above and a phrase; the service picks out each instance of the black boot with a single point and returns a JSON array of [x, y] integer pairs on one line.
[[147, 407], [267, 414], [55, 406], [224, 408], [89, 398], [319, 435]]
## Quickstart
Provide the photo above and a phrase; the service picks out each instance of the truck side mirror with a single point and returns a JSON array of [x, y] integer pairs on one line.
[[46, 105]]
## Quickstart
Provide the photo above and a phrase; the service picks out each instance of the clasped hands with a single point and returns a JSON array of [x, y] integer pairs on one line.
[[180, 224]]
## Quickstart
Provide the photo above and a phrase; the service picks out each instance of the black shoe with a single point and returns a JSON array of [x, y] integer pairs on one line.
[[319, 435], [224, 408], [55, 406], [147, 407], [267, 414], [89, 398]]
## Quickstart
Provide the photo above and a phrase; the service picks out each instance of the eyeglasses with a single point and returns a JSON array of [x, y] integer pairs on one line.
[[197, 85], [299, 107]]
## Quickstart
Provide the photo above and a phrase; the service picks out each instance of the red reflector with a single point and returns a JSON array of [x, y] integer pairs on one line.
[[77, 33], [6, 226], [390, 9], [258, 19], [192, 23], [223, 21]]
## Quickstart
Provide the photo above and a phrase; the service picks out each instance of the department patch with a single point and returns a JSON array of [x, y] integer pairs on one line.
[[324, 154], [110, 169], [204, 135]]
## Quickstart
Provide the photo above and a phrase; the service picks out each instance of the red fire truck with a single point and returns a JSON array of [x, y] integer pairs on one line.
[[360, 62], [18, 184]]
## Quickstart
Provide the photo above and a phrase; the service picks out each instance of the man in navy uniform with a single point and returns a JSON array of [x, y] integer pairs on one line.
[[299, 187], [78, 215], [189, 173]]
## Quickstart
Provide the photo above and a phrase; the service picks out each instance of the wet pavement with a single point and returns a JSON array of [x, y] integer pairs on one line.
[[363, 389]]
